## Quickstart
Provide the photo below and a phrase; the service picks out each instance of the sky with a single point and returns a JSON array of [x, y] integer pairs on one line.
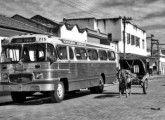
[[149, 15]]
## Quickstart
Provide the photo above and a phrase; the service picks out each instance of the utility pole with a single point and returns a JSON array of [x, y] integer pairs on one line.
[[154, 41], [125, 20], [151, 43]]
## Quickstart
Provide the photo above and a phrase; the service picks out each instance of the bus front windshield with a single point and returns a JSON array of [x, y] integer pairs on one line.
[[37, 52]]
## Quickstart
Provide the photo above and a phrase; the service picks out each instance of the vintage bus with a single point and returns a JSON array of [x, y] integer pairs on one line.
[[53, 66]]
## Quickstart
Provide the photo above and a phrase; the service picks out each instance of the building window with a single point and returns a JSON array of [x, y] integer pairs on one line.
[[128, 38], [143, 44], [132, 40], [137, 42]]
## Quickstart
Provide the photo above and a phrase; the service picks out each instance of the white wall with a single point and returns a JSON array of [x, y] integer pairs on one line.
[[116, 27], [162, 65], [133, 30], [73, 34]]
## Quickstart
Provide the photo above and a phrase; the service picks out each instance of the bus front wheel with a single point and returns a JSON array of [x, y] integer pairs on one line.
[[58, 94]]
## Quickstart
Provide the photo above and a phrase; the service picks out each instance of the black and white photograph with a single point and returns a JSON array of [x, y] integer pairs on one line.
[[82, 59]]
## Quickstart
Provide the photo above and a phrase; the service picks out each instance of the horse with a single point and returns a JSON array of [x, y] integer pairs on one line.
[[125, 82]]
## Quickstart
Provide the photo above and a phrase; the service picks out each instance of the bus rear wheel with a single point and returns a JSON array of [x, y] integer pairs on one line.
[[99, 88], [18, 97], [58, 94]]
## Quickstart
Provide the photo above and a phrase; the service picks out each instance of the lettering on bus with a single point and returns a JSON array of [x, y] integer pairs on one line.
[[42, 39], [72, 42], [23, 40]]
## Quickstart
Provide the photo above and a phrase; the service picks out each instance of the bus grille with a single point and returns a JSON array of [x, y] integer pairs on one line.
[[20, 78]]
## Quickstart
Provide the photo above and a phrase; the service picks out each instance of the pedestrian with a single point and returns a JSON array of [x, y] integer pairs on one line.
[[151, 70]]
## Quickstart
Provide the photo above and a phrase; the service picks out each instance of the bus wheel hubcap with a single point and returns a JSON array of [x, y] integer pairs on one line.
[[60, 90]]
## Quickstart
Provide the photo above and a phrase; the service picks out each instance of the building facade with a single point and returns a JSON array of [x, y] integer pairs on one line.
[[161, 62], [134, 41], [94, 35]]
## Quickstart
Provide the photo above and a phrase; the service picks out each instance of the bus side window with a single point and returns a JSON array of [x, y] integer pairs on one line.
[[92, 53], [71, 55], [111, 55], [102, 55], [81, 53], [62, 52]]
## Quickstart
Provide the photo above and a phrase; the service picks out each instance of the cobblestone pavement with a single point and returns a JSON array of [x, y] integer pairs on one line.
[[86, 106]]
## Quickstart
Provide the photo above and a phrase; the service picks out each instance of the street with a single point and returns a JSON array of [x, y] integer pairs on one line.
[[86, 106]]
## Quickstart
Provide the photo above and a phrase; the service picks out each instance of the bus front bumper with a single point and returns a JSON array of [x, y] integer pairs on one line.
[[28, 87]]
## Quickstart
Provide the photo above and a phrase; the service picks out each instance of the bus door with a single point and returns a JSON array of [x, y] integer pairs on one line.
[[70, 56]]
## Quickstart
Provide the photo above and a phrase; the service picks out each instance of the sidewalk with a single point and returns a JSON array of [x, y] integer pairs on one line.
[[154, 77]]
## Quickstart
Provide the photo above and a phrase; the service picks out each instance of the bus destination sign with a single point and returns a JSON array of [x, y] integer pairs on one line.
[[23, 40], [72, 42]]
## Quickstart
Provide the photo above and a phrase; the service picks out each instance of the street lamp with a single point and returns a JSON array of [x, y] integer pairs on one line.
[[125, 20]]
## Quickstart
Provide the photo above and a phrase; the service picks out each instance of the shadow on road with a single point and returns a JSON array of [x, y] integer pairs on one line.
[[76, 95], [113, 95], [41, 99], [6, 103], [163, 85], [46, 100], [107, 95]]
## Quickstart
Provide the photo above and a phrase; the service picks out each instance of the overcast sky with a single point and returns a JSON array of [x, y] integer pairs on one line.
[[146, 14]]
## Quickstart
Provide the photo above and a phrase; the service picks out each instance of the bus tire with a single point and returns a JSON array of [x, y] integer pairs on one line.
[[99, 88], [18, 97], [145, 86], [58, 94]]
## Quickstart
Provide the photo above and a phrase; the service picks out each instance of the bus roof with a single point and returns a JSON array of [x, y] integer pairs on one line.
[[42, 38]]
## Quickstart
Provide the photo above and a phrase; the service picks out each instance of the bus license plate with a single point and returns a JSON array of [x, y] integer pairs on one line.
[[15, 88]]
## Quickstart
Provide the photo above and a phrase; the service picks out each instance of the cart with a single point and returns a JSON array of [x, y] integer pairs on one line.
[[138, 69]]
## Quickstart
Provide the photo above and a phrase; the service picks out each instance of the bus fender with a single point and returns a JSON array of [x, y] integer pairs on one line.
[[65, 82]]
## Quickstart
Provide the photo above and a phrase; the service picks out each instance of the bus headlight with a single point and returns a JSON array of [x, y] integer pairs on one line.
[[4, 77], [38, 75]]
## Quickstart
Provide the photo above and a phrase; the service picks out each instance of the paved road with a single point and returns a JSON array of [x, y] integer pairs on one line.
[[86, 106]]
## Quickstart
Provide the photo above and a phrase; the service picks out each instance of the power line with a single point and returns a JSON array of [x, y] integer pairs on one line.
[[92, 8], [81, 6], [99, 11], [75, 5]]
